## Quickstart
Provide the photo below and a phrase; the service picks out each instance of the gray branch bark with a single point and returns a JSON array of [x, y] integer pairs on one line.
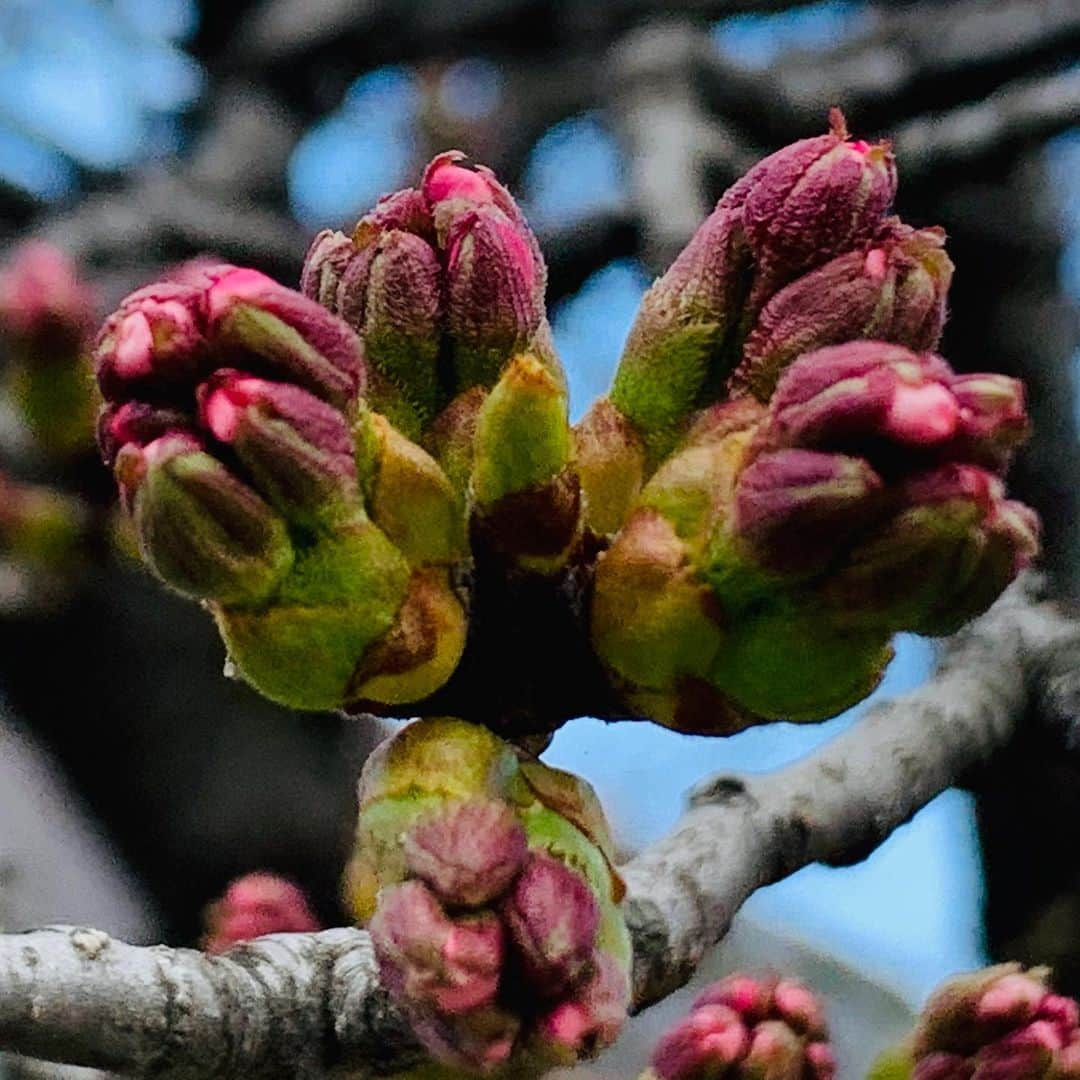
[[311, 1005]]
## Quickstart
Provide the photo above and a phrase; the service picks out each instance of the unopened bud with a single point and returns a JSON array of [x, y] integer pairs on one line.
[[277, 331], [256, 905], [468, 853], [552, 917], [202, 530], [609, 458], [296, 447], [592, 1018], [429, 959], [895, 292], [993, 419]]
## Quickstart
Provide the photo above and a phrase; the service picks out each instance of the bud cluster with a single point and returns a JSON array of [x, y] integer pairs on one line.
[[255, 905], [445, 285], [260, 483], [747, 1028], [487, 884], [768, 562], [1002, 1023], [47, 319]]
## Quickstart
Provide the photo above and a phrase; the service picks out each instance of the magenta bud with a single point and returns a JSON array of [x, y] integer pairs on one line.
[[847, 394], [775, 1053], [553, 917], [942, 1066], [750, 997], [705, 1044], [153, 344], [592, 1017], [201, 529], [799, 1007], [138, 423], [812, 201], [430, 960], [894, 291], [821, 1061], [296, 447], [45, 308], [277, 331], [479, 1041], [453, 186], [324, 265], [495, 294], [794, 509], [468, 852], [406, 210], [993, 419], [256, 905]]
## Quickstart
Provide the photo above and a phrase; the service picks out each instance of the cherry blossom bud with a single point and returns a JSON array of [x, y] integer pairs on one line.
[[552, 917], [894, 291], [943, 559], [324, 265], [993, 419], [747, 1028], [297, 448], [277, 331], [811, 201], [1001, 1023], [468, 854], [820, 499], [154, 344], [428, 958], [202, 530], [589, 1021], [253, 906]]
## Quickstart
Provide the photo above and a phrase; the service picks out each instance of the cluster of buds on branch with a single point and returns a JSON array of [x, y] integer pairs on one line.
[[1002, 1023], [800, 476], [747, 1028], [783, 475], [47, 319], [487, 882]]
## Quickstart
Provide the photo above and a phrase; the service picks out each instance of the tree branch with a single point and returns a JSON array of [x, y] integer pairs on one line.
[[310, 1005]]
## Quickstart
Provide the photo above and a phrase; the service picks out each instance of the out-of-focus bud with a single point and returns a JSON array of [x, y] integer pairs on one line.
[[201, 529], [747, 1029], [496, 918], [46, 324], [553, 917], [610, 461], [45, 307], [895, 291], [253, 906], [468, 855], [1001, 1023]]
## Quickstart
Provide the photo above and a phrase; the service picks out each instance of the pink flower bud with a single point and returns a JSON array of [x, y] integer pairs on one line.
[[324, 265], [45, 308], [592, 1017], [794, 509], [811, 201], [894, 291], [993, 419], [154, 344], [277, 331], [431, 960], [748, 1028], [256, 905], [468, 852], [138, 423], [297, 448], [553, 917], [860, 391]]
